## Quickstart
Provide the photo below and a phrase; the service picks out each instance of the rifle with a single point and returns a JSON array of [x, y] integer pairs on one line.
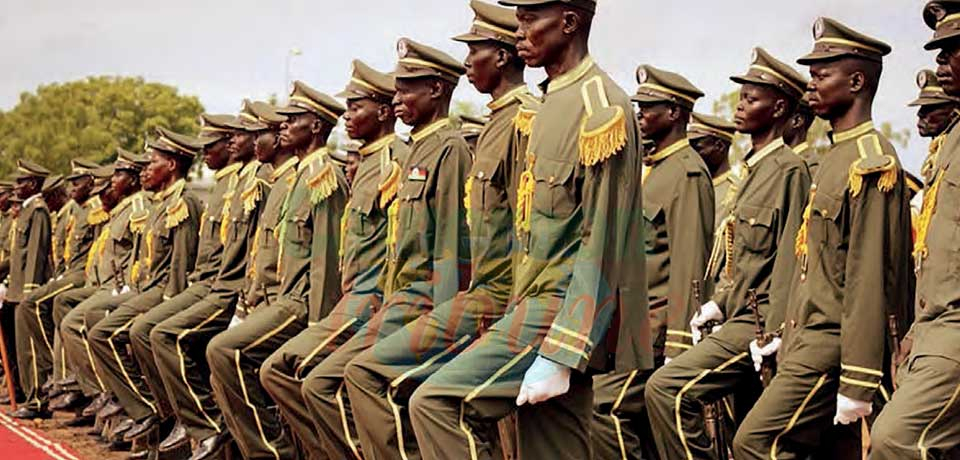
[[895, 347], [769, 365], [7, 373], [712, 412]]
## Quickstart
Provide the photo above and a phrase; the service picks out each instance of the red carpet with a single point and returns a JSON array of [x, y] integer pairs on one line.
[[22, 443]]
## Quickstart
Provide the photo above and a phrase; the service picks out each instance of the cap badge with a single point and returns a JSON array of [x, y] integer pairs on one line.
[[922, 80], [818, 29]]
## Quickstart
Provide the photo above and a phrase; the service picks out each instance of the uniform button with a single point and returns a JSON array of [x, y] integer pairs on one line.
[[551, 179], [793, 323], [753, 221], [480, 175]]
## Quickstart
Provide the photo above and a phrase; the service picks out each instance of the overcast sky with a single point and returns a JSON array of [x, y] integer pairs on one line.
[[223, 51]]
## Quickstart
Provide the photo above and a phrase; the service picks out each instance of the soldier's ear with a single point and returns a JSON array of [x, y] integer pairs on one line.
[[857, 81], [780, 108], [437, 88], [572, 22], [384, 112]]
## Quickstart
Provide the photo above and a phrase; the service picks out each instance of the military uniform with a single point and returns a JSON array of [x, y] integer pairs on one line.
[[31, 265], [757, 235], [167, 255], [363, 256], [179, 342], [109, 259], [919, 420], [379, 381], [854, 272], [678, 210], [309, 238], [428, 250], [580, 287], [932, 94]]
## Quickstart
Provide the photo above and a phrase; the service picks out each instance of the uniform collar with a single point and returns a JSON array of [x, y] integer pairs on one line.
[[319, 153], [670, 150], [227, 170], [567, 79], [251, 166], [286, 166], [507, 98], [176, 187], [801, 147], [377, 145], [852, 133], [422, 134], [123, 204], [757, 157], [721, 178], [30, 200]]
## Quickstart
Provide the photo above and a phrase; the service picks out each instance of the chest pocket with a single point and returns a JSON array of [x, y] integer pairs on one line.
[[553, 194], [756, 226], [22, 237], [361, 206], [485, 184], [302, 232], [652, 214], [949, 188]]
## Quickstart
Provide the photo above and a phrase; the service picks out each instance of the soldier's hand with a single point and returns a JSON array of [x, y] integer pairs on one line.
[[235, 321], [710, 311], [850, 410], [3, 293], [544, 380], [757, 353]]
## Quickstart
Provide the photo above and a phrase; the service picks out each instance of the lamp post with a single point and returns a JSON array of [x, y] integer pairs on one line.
[[291, 53]]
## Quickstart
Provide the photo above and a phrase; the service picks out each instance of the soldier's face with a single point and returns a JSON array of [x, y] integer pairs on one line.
[[158, 172], [27, 187], [241, 146], [217, 155], [542, 33], [948, 68], [122, 183], [713, 150], [484, 64], [934, 119], [829, 90], [297, 131], [655, 119], [266, 146], [414, 101], [758, 109], [363, 118], [353, 162], [80, 188]]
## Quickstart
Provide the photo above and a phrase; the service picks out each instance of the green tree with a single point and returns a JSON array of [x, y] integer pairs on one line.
[[90, 118]]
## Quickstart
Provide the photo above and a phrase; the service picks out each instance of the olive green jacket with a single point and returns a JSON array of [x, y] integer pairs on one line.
[[168, 243], [678, 208], [310, 235], [764, 220], [214, 225], [239, 222], [262, 276], [61, 223], [31, 261], [855, 267], [586, 224]]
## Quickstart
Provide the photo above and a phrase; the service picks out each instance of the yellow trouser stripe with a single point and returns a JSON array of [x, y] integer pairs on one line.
[[183, 366], [796, 415], [686, 388], [93, 365], [346, 423], [399, 426], [616, 420], [123, 369], [253, 409], [323, 344], [55, 293], [396, 382], [267, 336], [43, 331], [680, 333], [36, 380], [923, 434]]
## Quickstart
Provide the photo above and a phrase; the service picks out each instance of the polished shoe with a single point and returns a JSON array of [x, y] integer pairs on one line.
[[210, 448], [79, 420], [176, 439], [143, 427], [142, 454], [101, 400], [120, 445], [70, 401], [47, 387], [27, 413], [121, 428], [109, 410]]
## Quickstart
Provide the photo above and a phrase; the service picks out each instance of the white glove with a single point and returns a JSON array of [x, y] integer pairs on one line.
[[758, 353], [710, 311], [125, 289], [544, 379], [666, 360], [850, 410], [235, 321], [3, 293]]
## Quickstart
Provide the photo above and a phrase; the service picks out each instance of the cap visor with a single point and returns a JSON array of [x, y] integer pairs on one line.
[[692, 135], [292, 110], [940, 42], [746, 79], [927, 101], [817, 56], [469, 37], [525, 2], [648, 99]]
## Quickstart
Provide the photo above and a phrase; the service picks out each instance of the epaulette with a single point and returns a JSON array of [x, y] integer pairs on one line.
[[178, 211], [523, 120], [138, 214], [467, 201], [692, 164], [872, 161], [324, 180], [604, 129], [252, 194], [389, 184], [95, 213]]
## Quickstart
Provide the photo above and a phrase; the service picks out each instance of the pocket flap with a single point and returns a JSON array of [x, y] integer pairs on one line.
[[553, 172], [756, 215]]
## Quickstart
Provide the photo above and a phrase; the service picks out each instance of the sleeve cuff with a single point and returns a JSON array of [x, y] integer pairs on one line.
[[860, 383], [567, 347]]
